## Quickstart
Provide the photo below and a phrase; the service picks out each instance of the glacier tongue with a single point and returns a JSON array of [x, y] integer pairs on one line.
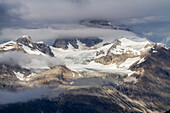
[[80, 60]]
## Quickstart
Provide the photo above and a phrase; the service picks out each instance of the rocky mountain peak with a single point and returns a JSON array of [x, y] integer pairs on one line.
[[26, 44], [25, 38], [27, 41]]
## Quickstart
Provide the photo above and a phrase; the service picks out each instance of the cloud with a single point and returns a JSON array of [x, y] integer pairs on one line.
[[38, 15], [166, 41], [147, 19], [50, 33], [71, 10], [7, 97], [148, 33], [28, 60]]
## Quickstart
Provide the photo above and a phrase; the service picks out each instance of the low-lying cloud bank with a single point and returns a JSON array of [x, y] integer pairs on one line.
[[29, 60], [50, 33], [7, 97]]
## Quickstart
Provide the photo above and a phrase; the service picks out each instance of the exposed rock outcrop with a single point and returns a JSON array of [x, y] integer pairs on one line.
[[64, 43]]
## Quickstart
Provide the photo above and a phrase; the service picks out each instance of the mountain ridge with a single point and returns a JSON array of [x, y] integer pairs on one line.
[[131, 72]]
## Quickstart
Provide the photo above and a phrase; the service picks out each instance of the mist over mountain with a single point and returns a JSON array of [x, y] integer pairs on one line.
[[84, 56], [84, 72], [22, 17]]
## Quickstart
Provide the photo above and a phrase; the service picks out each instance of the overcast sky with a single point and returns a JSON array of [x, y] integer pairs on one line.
[[38, 14], [73, 10]]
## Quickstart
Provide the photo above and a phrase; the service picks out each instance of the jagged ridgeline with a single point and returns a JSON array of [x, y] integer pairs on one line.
[[125, 74], [75, 43]]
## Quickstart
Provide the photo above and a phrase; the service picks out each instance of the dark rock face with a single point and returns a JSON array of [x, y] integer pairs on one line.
[[90, 41], [63, 43], [8, 79], [44, 48], [27, 41], [9, 68]]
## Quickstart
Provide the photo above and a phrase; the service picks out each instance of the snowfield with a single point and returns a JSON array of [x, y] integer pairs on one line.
[[82, 59]]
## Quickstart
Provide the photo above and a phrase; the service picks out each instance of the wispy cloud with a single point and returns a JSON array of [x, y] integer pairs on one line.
[[166, 41], [49, 33], [147, 19], [7, 97]]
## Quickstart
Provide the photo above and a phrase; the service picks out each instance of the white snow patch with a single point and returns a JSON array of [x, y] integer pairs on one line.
[[133, 46], [129, 62], [108, 68], [25, 36], [141, 60], [131, 79], [30, 45], [79, 74], [104, 49], [72, 82], [109, 23], [29, 51], [40, 42], [81, 45], [154, 51], [19, 75], [70, 47], [73, 74], [31, 75], [7, 45]]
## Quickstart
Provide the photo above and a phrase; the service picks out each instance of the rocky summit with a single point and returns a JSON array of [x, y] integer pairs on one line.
[[127, 74]]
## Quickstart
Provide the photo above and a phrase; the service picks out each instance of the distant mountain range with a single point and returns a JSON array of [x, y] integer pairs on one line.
[[130, 74]]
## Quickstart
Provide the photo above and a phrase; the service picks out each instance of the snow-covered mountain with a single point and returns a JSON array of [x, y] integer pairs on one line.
[[25, 44], [127, 72]]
